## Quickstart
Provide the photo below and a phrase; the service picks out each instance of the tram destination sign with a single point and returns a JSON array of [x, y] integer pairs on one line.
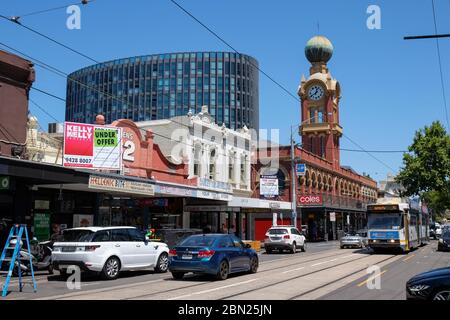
[[383, 207]]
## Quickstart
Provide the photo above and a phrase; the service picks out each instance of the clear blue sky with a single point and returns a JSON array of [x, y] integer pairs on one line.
[[390, 87]]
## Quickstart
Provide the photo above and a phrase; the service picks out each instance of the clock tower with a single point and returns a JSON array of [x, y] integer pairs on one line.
[[320, 95]]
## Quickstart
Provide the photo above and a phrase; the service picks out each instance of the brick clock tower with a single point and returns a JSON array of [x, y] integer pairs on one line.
[[320, 95]]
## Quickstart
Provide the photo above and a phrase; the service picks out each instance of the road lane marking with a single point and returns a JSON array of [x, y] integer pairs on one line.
[[212, 290], [409, 257], [365, 281], [292, 270], [319, 263], [351, 255]]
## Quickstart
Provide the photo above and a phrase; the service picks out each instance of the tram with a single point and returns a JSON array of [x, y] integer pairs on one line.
[[397, 225]]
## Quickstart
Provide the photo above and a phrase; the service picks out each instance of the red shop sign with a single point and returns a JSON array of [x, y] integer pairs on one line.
[[310, 199]]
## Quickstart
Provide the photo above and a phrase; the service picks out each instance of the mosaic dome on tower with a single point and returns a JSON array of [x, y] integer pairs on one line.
[[318, 49]]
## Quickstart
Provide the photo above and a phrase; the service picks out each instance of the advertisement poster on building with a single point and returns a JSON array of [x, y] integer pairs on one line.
[[92, 146], [42, 226], [268, 186], [83, 220]]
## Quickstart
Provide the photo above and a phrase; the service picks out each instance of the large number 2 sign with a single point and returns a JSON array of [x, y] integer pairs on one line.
[[128, 153]]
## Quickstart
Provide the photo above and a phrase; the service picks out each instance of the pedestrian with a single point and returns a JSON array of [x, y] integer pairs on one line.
[[224, 228], [207, 229]]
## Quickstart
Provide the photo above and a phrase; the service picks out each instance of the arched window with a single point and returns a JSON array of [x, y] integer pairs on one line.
[[212, 164], [197, 159]]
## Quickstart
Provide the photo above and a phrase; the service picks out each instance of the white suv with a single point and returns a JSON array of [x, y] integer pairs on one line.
[[284, 238], [108, 250]]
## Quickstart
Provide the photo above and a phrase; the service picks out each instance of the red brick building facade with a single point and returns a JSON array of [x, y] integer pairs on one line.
[[330, 198]]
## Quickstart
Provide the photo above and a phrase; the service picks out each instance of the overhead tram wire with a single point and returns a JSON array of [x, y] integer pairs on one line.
[[48, 38], [192, 16], [49, 94], [84, 2], [232, 48], [277, 83], [440, 66]]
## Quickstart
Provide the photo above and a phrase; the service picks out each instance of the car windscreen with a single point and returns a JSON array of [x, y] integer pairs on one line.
[[77, 236], [446, 235], [198, 241], [278, 231]]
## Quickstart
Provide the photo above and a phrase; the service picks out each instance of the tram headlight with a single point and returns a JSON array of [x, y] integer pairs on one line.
[[392, 241]]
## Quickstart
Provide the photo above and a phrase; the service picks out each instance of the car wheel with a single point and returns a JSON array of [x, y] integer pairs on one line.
[[111, 269], [163, 263], [50, 269], [294, 248], [442, 295], [303, 247], [254, 263], [63, 273], [178, 275], [224, 270]]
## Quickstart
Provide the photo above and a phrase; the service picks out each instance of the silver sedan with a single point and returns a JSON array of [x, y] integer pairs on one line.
[[352, 240]]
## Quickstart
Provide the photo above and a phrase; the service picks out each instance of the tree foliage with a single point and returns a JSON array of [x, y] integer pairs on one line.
[[426, 168]]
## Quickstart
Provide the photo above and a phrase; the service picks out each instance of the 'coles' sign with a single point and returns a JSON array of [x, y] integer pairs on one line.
[[310, 199]]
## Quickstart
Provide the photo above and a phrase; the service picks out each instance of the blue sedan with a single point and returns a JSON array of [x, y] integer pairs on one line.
[[213, 254]]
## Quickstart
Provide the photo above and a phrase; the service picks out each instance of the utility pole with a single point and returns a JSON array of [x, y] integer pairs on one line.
[[293, 184]]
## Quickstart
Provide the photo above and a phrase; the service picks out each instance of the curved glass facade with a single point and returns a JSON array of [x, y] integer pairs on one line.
[[162, 86]]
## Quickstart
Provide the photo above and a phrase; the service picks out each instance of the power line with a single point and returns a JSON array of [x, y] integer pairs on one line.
[[48, 38], [232, 48], [380, 161], [193, 17], [49, 94], [278, 84], [434, 36], [84, 2], [43, 110], [440, 67]]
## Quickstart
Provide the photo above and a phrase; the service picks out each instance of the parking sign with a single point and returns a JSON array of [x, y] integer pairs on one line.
[[300, 168]]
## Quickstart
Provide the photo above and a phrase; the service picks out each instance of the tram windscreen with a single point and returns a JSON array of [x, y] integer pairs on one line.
[[386, 221]]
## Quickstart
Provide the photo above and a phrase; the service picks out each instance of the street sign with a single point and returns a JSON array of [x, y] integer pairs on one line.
[[300, 168], [332, 216], [4, 183]]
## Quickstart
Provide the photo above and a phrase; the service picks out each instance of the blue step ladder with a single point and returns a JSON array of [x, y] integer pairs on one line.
[[17, 232]]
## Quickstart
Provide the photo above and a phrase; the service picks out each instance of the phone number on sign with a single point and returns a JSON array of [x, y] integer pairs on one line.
[[77, 160]]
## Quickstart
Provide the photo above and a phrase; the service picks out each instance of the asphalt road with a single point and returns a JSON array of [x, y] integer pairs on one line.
[[394, 276], [323, 272]]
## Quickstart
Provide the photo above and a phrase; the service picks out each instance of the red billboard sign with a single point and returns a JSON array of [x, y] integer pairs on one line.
[[310, 200]]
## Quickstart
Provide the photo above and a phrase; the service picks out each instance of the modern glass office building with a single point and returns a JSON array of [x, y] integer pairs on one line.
[[161, 86]]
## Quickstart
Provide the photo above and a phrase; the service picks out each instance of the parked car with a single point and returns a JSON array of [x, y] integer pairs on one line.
[[284, 238], [108, 250], [430, 285], [353, 239], [212, 254], [438, 232], [444, 242], [174, 236]]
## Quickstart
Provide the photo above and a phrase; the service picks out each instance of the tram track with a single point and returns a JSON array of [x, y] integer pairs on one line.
[[336, 280], [264, 271], [258, 273], [298, 277]]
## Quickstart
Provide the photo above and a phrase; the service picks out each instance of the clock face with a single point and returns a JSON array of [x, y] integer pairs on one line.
[[316, 92]]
